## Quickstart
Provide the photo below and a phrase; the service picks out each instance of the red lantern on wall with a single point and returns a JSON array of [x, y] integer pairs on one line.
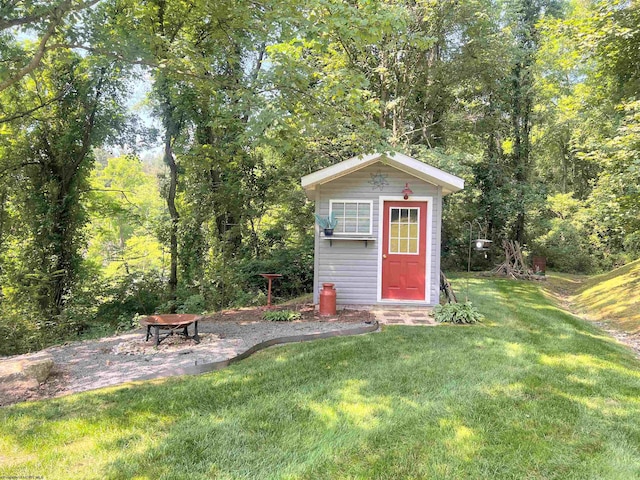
[[407, 191]]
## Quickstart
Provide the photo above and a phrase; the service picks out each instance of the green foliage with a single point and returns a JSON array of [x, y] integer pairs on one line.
[[564, 247], [250, 298], [564, 240], [192, 304], [614, 202], [18, 333], [281, 315], [126, 210], [50, 123], [128, 296], [237, 282], [23, 328], [589, 133], [127, 322], [457, 313], [55, 161], [249, 99]]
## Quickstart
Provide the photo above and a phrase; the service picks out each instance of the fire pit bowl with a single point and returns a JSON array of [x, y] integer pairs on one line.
[[171, 322]]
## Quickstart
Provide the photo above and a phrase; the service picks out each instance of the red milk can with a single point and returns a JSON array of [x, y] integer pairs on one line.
[[327, 299]]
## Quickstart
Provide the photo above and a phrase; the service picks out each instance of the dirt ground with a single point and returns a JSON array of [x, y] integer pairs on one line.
[[309, 314]]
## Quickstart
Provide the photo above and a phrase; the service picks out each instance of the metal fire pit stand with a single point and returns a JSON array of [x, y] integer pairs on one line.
[[172, 323]]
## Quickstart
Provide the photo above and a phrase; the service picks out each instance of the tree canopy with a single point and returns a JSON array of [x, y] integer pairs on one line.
[[534, 102]]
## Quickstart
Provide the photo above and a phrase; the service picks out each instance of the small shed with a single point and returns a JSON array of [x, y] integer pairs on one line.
[[385, 248]]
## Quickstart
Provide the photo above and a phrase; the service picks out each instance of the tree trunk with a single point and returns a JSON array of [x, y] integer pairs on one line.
[[169, 160], [522, 108], [565, 164], [63, 269], [3, 201], [445, 287], [517, 121]]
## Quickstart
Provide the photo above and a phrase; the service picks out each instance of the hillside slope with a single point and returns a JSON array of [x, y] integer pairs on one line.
[[613, 297]]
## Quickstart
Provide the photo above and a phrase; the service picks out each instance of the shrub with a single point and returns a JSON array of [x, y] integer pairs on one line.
[[252, 298], [193, 304], [281, 315], [127, 322], [457, 313], [130, 295], [564, 238], [19, 333], [295, 264]]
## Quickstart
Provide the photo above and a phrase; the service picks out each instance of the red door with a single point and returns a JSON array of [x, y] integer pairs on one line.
[[404, 250]]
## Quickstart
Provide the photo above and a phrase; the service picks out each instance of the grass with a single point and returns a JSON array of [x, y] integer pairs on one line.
[[533, 393], [613, 297]]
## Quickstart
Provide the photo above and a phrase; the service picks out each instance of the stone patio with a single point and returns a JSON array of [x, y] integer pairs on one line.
[[404, 316], [91, 364]]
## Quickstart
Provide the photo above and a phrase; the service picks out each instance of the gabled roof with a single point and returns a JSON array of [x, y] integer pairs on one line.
[[449, 183]]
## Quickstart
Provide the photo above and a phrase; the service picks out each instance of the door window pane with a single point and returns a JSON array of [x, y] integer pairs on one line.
[[404, 228]]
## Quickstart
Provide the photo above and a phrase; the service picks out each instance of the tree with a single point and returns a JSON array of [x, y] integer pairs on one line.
[[126, 212], [49, 158], [590, 85], [41, 19]]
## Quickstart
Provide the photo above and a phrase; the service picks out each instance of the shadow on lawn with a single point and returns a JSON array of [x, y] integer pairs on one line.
[[539, 390], [342, 422]]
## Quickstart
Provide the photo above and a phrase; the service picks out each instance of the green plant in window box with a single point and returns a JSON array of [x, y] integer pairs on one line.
[[457, 313], [327, 223]]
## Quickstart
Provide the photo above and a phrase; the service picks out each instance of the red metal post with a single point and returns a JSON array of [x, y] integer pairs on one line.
[[269, 293], [269, 277]]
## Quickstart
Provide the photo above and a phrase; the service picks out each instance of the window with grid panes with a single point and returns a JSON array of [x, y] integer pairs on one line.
[[354, 217], [404, 227]]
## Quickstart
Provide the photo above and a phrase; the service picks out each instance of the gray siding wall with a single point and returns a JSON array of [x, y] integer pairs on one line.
[[349, 264]]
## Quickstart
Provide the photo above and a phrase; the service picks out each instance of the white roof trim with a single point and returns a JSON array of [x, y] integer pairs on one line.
[[449, 183]]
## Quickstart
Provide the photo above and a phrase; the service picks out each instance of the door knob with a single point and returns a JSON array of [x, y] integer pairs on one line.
[[384, 255]]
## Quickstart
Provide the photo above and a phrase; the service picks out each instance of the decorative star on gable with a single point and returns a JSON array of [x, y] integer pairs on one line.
[[378, 180]]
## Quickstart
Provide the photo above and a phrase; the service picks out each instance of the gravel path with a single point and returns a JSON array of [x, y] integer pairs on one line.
[[87, 365], [630, 340]]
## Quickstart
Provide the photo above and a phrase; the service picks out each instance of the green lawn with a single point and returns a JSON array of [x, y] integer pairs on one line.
[[532, 394], [612, 297]]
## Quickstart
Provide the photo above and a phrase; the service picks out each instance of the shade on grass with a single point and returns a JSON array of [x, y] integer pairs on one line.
[[533, 393]]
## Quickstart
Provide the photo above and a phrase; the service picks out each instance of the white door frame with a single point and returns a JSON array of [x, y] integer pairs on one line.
[[428, 252]]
